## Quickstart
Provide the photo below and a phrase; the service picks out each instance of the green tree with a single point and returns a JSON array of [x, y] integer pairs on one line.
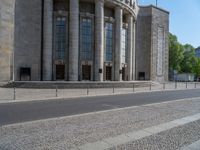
[[188, 62], [196, 67], [176, 51]]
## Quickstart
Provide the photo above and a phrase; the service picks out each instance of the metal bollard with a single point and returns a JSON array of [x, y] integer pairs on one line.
[[175, 85], [163, 86], [56, 91], [150, 88], [133, 87], [195, 85], [186, 85], [87, 90], [14, 93]]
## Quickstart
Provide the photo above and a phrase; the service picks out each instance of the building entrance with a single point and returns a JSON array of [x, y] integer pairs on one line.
[[124, 74], [86, 72], [108, 73], [60, 72]]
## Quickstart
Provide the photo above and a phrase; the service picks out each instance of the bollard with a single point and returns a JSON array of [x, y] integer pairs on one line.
[[14, 93], [163, 86], [175, 85], [195, 85], [87, 90], [150, 87], [133, 87], [186, 85], [56, 91]]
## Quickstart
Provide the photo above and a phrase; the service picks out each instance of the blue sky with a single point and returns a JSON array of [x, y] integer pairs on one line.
[[184, 18]]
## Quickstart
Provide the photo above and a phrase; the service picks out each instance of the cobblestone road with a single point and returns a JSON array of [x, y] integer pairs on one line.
[[72, 132]]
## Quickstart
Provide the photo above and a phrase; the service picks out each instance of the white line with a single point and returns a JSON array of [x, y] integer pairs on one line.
[[132, 136], [100, 112]]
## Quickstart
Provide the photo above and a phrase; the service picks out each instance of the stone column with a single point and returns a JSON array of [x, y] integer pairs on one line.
[[130, 47], [48, 40], [99, 39], [118, 45], [133, 51], [73, 40]]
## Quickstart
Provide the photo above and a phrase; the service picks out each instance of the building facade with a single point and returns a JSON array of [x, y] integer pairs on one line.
[[78, 40]]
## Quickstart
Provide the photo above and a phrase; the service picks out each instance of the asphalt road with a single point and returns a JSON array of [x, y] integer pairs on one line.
[[28, 111]]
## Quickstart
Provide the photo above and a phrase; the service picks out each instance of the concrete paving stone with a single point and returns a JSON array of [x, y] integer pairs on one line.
[[118, 139], [138, 135], [97, 146]]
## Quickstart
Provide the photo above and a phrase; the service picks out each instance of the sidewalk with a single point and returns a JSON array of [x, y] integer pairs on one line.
[[20, 94], [169, 125]]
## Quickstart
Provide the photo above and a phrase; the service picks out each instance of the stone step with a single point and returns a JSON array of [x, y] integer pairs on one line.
[[62, 85]]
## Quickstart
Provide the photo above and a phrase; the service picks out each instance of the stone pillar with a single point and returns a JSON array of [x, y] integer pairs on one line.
[[73, 40], [130, 47], [133, 51], [118, 45], [99, 39], [48, 40]]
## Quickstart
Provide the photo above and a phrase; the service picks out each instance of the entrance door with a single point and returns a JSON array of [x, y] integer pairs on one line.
[[60, 72], [86, 72], [108, 73], [124, 75]]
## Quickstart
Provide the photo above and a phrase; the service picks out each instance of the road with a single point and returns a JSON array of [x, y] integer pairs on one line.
[[11, 113]]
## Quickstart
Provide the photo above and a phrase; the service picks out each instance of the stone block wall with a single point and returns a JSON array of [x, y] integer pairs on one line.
[[6, 38], [152, 43], [28, 37]]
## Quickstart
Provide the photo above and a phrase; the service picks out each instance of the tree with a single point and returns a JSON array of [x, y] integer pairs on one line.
[[176, 51], [187, 64], [196, 68]]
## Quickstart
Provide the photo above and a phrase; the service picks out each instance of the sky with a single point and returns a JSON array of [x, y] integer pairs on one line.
[[184, 18]]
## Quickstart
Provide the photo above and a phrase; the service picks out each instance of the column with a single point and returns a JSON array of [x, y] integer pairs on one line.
[[99, 39], [73, 40], [130, 47], [118, 46], [133, 51], [48, 40]]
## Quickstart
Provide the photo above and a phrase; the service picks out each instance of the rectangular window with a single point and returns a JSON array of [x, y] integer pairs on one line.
[[124, 42], [60, 37], [86, 39], [108, 53]]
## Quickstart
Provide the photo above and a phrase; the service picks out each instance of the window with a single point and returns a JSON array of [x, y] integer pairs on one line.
[[124, 50], [60, 37], [108, 53], [86, 39]]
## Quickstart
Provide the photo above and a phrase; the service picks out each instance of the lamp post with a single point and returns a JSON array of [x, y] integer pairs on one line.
[[156, 3]]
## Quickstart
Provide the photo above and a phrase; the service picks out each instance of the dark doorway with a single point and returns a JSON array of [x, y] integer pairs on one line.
[[108, 73], [60, 72], [141, 75], [86, 72], [124, 74]]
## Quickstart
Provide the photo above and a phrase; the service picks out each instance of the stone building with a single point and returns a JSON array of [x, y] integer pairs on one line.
[[77, 40]]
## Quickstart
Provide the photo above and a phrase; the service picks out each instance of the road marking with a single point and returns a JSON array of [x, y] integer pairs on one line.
[[132, 136], [99, 112]]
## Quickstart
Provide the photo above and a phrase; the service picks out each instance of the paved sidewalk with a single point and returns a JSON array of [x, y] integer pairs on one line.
[[19, 94], [169, 125]]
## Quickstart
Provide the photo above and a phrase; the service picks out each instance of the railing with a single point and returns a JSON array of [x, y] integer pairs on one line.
[[38, 94]]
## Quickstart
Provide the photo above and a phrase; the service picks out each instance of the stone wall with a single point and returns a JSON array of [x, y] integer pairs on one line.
[[152, 43], [28, 37], [160, 48], [6, 38], [143, 42]]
